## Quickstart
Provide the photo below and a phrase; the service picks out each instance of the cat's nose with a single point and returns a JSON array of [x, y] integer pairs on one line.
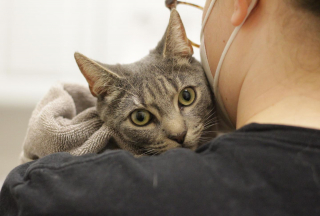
[[179, 138]]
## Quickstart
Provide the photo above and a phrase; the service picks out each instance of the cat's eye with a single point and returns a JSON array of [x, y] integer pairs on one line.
[[187, 97], [141, 117]]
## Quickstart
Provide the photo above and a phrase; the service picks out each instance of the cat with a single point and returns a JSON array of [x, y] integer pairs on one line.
[[159, 103]]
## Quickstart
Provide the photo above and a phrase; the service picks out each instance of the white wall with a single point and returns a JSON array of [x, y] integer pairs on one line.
[[38, 39]]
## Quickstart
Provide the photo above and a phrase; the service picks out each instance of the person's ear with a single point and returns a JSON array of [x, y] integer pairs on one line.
[[240, 11]]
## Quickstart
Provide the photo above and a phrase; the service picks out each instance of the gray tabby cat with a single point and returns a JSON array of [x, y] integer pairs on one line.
[[159, 103]]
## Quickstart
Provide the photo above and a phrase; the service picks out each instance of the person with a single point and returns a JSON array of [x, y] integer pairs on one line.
[[271, 72], [262, 59]]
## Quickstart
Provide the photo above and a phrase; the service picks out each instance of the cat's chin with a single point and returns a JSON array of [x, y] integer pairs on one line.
[[139, 152]]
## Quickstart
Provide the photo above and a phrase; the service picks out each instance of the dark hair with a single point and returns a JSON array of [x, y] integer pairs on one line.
[[313, 6]]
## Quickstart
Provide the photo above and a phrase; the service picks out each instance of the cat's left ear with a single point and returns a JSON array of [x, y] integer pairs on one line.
[[177, 44], [99, 78]]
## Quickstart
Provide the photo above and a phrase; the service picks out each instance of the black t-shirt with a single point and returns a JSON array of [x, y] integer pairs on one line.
[[257, 170]]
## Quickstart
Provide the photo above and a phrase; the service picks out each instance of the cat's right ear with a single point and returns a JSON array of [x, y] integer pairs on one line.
[[98, 77], [177, 44]]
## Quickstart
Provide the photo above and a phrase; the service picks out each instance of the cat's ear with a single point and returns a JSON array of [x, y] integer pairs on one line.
[[177, 45], [97, 76]]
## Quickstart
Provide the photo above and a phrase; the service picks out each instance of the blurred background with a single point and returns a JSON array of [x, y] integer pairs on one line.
[[38, 39]]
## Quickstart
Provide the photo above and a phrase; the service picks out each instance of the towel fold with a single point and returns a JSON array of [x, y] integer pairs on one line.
[[65, 120]]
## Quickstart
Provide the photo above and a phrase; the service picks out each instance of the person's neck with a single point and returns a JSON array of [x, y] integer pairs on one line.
[[278, 93]]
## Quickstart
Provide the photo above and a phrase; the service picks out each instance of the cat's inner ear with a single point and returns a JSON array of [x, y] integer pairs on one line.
[[177, 45], [98, 76]]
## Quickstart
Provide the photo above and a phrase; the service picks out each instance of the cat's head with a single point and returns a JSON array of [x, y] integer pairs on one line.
[[161, 102]]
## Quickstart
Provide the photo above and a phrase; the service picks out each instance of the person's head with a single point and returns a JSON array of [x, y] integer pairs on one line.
[[276, 50]]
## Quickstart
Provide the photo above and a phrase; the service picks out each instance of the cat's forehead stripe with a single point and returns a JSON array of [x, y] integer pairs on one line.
[[117, 98], [137, 101], [157, 87], [166, 91], [152, 94], [173, 84]]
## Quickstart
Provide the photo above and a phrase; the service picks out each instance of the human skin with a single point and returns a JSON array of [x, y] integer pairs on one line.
[[271, 74]]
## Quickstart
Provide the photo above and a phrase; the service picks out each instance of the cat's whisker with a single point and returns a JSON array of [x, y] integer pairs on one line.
[[149, 151], [211, 117], [152, 152], [204, 141], [203, 109], [143, 154], [209, 126], [211, 120], [210, 114], [213, 109], [209, 132], [157, 151], [157, 147], [205, 136], [209, 123]]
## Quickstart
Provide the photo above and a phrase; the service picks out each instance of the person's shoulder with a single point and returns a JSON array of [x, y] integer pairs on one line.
[[271, 134]]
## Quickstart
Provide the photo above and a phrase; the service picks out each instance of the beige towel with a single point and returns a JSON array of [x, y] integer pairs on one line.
[[65, 120]]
